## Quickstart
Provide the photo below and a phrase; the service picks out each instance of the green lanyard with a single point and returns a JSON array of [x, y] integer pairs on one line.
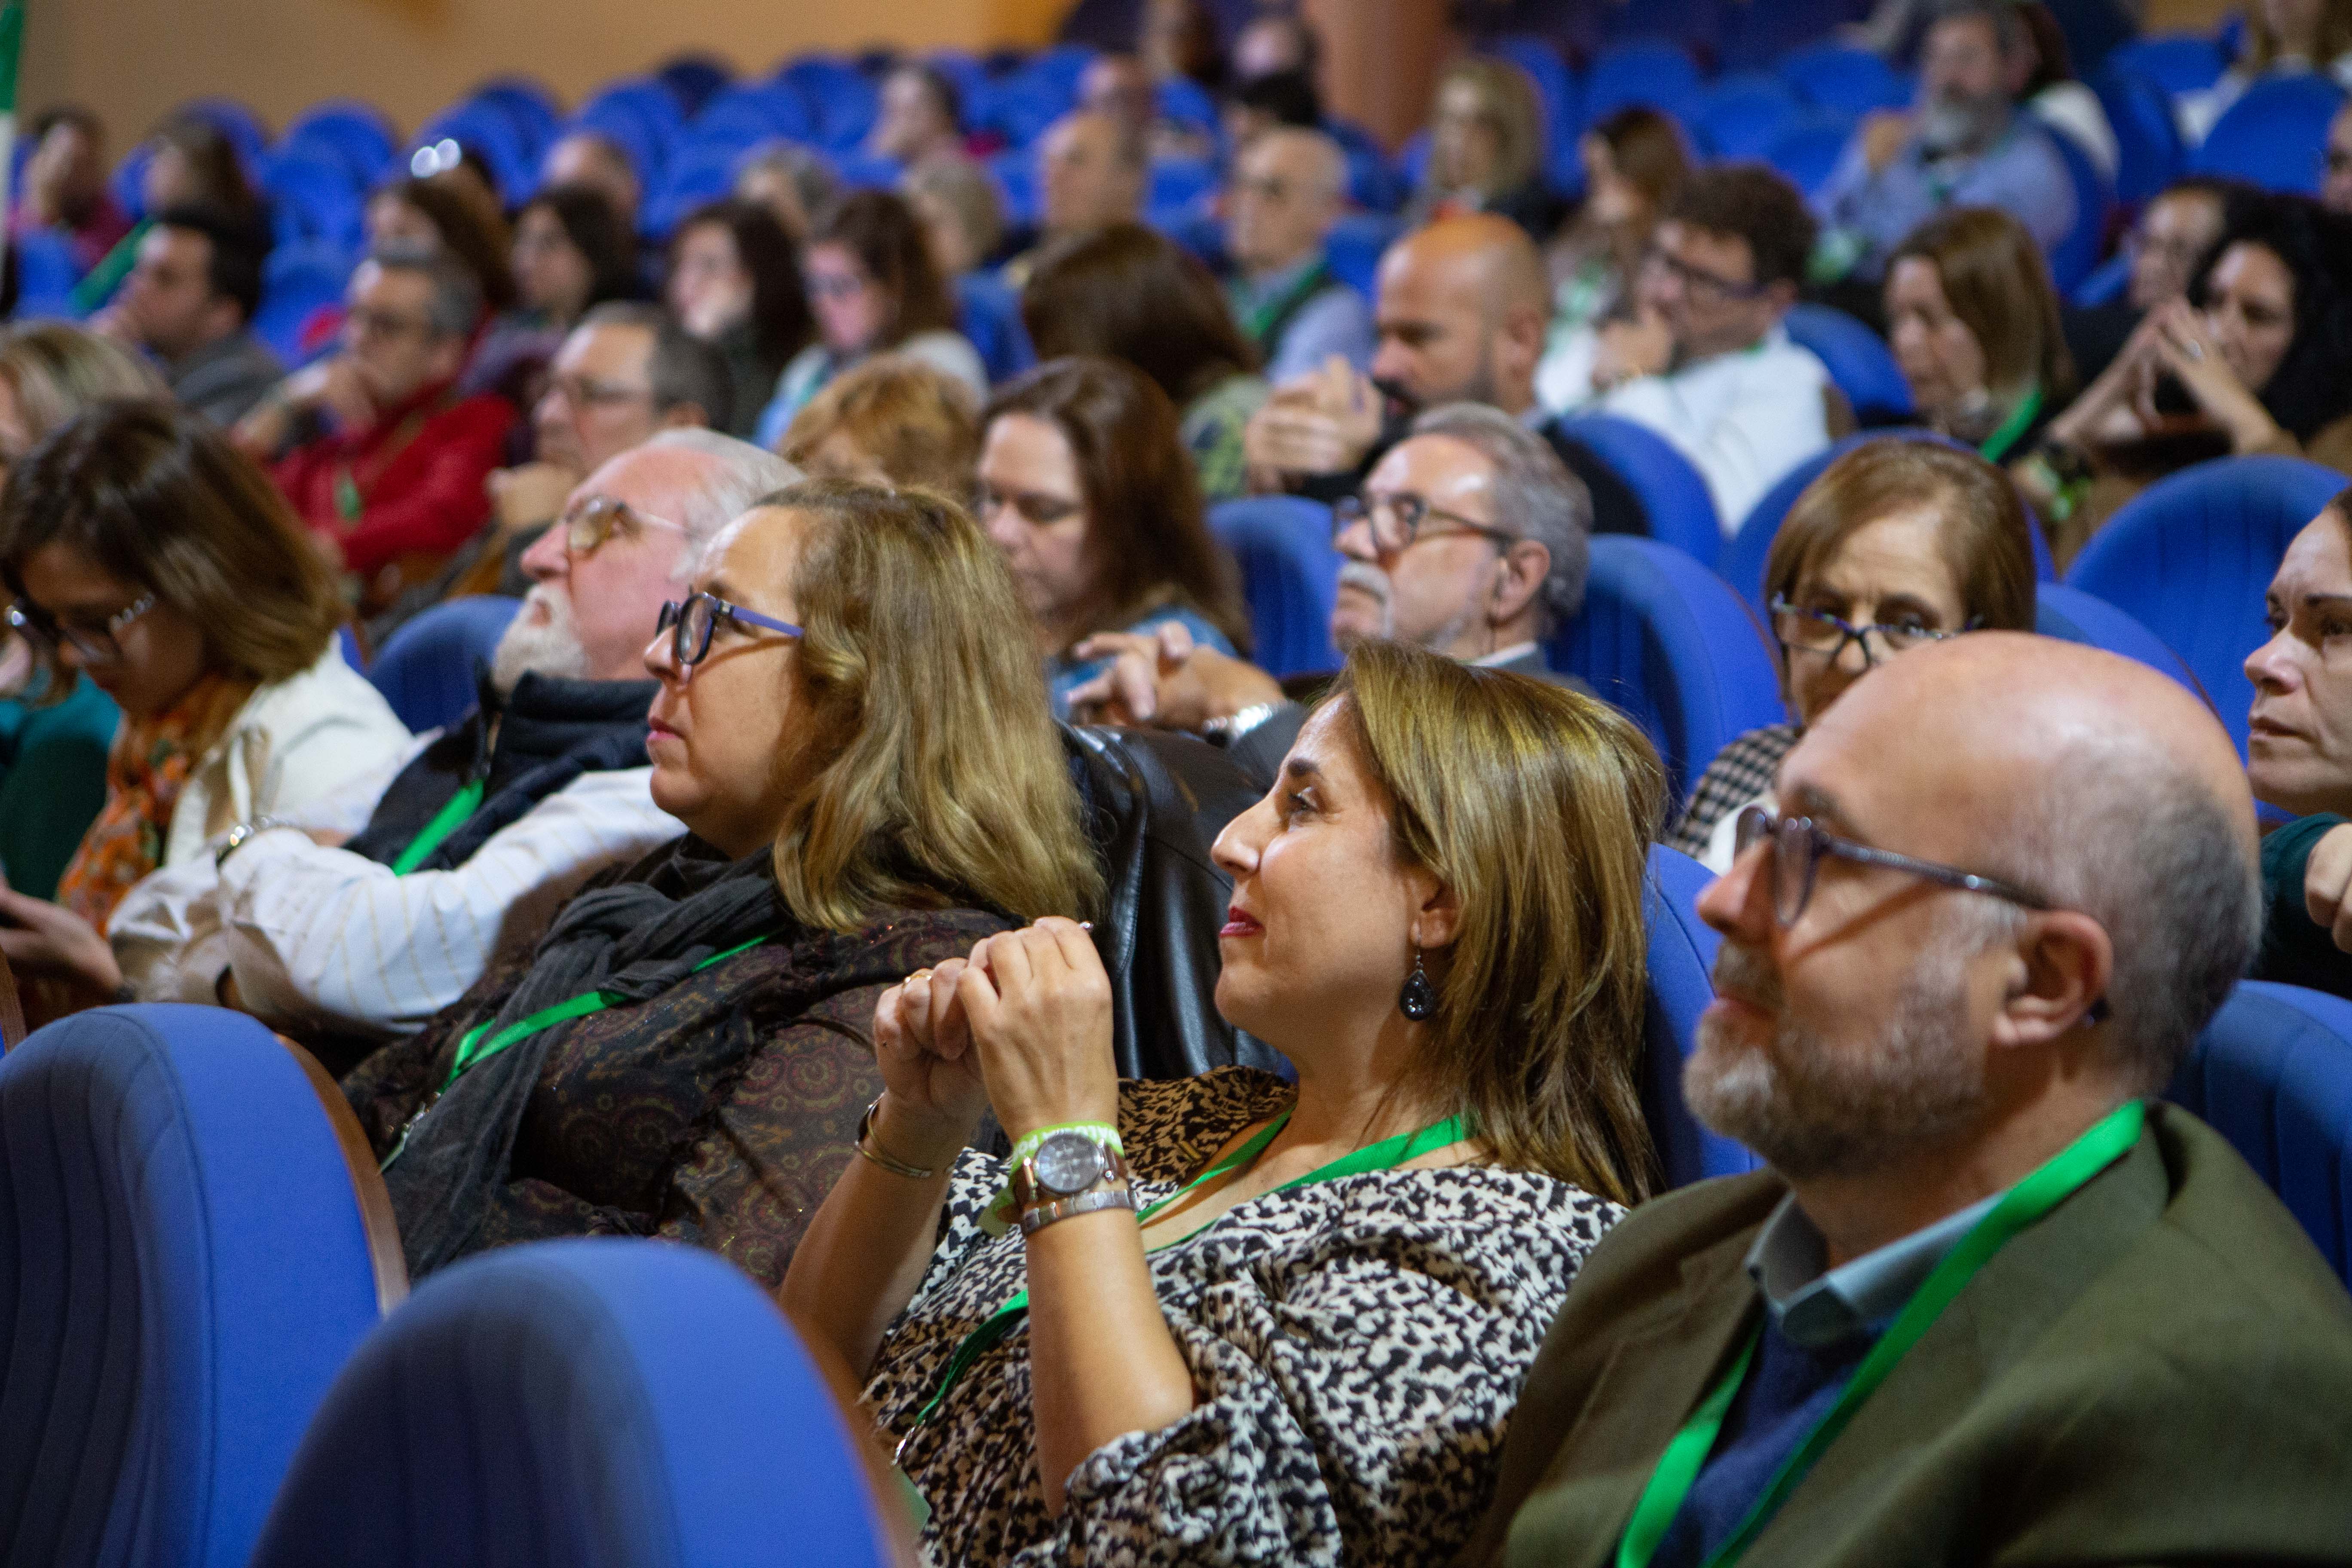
[[2049, 1185], [473, 1050], [1998, 444], [1382, 1156], [1265, 318], [446, 821]]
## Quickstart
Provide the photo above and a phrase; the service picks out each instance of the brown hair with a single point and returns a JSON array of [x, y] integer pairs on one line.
[[1754, 203], [470, 226], [1142, 497], [918, 423], [213, 159], [1127, 292], [154, 496], [57, 370], [939, 773], [1508, 101], [1645, 147], [882, 231], [1997, 285], [2262, 50], [1536, 805]]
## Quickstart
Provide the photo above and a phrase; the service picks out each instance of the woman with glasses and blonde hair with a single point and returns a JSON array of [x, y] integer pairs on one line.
[[1231, 1318], [850, 731], [145, 552], [1485, 149], [1901, 542]]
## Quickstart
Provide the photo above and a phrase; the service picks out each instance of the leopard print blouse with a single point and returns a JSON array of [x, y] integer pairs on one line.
[[1356, 1348]]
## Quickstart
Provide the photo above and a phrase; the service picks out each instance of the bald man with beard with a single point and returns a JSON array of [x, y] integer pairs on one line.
[[1460, 317], [2009, 881]]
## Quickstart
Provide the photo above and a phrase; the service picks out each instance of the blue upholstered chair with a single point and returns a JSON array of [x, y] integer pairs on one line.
[[2176, 62], [1673, 494], [2073, 615], [1681, 957], [2074, 257], [1742, 116], [2147, 138], [990, 314], [1670, 643], [355, 132], [193, 1240], [1651, 71], [1355, 244], [2272, 135], [426, 669], [1290, 576], [609, 1404], [2273, 1073], [1847, 79], [2190, 557], [1806, 154], [297, 282], [1858, 361]]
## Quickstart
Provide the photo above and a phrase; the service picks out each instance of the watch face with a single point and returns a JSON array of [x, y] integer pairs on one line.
[[1068, 1162]]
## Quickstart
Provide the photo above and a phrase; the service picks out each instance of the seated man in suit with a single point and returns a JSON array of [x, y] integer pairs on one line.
[[1989, 1303], [1470, 538]]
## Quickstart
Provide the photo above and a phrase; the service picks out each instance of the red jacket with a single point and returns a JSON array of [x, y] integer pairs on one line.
[[416, 475]]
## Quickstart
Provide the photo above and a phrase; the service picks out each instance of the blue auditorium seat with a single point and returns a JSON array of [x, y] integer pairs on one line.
[[355, 132], [1858, 361], [530, 103], [235, 120], [493, 135], [46, 271], [1554, 83], [750, 113], [1355, 244], [2175, 62], [2191, 556], [1187, 102], [694, 79], [2147, 137], [2273, 1073], [2107, 284], [1372, 183], [1848, 80], [1290, 576], [2273, 134], [1680, 959], [612, 1404], [1673, 494], [1016, 177], [1651, 71], [314, 200], [990, 315], [297, 282], [1740, 117], [698, 173], [426, 669], [2072, 257], [186, 1262], [1670, 643], [2073, 615], [845, 102], [1806, 154]]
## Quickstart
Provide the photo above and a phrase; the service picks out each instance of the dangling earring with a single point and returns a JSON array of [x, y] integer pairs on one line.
[[1419, 998]]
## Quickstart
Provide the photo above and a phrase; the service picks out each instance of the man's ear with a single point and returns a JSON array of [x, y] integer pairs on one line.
[[2060, 967], [1525, 565]]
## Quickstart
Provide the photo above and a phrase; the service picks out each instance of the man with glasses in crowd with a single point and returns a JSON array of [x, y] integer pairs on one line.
[[375, 446], [1987, 1302], [190, 300], [483, 830], [1708, 365]]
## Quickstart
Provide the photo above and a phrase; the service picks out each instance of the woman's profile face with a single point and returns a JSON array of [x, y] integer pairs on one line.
[[852, 310], [1611, 199], [2250, 310], [1887, 572], [393, 222], [1939, 355], [158, 653], [2299, 741], [1321, 929], [1463, 145], [1032, 501], [551, 273], [169, 179], [709, 287], [724, 733]]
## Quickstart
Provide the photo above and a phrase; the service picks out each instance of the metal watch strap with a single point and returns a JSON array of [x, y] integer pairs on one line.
[[1121, 1197], [1225, 731], [234, 839]]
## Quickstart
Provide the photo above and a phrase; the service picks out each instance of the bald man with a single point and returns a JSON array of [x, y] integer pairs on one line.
[[1288, 189], [1460, 318], [1951, 975], [1092, 169]]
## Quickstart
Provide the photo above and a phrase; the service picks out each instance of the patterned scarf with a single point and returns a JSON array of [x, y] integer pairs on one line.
[[149, 762]]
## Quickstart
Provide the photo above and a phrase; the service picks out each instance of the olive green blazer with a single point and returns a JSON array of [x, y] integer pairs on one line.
[[2159, 1372]]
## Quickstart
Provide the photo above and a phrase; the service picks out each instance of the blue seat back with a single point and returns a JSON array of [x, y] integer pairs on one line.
[[2071, 258], [1680, 959], [2175, 62], [1669, 642], [1742, 116], [2273, 1073], [1680, 509], [493, 135], [2106, 283], [1858, 361], [46, 271], [2148, 154], [2072, 615], [355, 132], [426, 669], [991, 317], [1806, 154], [297, 283], [314, 200], [1290, 576], [1653, 71], [2271, 136], [1355, 244], [184, 1265], [2190, 557], [616, 1404], [1848, 80]]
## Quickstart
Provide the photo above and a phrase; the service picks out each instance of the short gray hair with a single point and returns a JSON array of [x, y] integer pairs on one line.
[[457, 304], [812, 179], [741, 474], [1534, 495], [682, 369]]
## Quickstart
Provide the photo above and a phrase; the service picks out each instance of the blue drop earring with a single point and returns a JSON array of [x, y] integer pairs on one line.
[[1419, 998]]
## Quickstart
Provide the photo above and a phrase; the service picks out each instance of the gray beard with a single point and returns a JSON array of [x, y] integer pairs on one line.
[[1946, 128], [552, 649]]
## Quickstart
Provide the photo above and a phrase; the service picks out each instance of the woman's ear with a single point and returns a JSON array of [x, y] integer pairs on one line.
[[1439, 918]]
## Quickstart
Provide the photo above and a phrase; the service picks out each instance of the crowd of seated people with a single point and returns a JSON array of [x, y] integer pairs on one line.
[[750, 902]]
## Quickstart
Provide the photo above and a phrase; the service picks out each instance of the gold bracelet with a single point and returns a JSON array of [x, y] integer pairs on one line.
[[864, 1145]]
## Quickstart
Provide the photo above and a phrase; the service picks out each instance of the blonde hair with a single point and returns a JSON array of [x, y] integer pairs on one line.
[[1509, 103], [57, 370], [937, 772], [919, 425], [1536, 806]]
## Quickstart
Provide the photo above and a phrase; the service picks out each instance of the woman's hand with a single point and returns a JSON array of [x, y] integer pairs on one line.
[[2328, 885], [1037, 1004], [40, 940], [2183, 347], [933, 1096], [2110, 408]]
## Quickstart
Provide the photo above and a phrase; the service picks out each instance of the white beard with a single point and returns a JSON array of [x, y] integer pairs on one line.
[[529, 647]]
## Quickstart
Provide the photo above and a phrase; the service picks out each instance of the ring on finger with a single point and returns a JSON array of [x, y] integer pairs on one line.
[[920, 974], [2193, 349]]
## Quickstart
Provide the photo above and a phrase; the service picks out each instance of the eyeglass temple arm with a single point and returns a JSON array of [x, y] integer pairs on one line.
[[1967, 881]]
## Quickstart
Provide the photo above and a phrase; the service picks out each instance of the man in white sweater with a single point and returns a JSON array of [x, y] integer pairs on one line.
[[375, 910], [1708, 365]]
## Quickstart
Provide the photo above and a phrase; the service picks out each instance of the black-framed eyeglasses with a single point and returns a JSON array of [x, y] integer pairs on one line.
[[691, 624], [589, 521], [1819, 633], [1396, 521], [1700, 283], [95, 644]]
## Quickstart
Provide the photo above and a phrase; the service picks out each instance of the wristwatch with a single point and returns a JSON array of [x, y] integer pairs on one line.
[[234, 839], [1069, 1175]]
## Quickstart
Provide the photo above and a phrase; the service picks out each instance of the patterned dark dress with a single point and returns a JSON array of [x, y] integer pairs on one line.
[[1356, 1348], [1742, 771]]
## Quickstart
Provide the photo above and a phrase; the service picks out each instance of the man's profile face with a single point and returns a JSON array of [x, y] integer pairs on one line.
[[1084, 185], [1436, 340], [389, 333], [169, 295], [1436, 592], [1961, 63], [1703, 284], [599, 401]]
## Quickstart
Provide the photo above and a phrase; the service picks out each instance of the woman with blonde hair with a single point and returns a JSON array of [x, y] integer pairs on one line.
[[51, 371], [851, 732], [1285, 1320], [1974, 324], [894, 421], [1485, 149]]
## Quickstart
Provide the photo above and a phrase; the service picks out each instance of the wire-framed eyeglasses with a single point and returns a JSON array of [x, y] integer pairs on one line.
[[1819, 633], [589, 521], [691, 624], [95, 644], [1396, 521]]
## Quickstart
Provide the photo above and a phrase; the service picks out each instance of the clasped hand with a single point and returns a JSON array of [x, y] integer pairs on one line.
[[2171, 339]]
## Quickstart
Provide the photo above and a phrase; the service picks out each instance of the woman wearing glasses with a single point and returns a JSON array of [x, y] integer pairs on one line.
[[1085, 487], [144, 552], [684, 1052], [1900, 543]]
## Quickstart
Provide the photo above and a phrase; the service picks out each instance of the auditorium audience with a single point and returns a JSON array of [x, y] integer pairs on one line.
[[1951, 977], [1085, 487], [147, 554], [1130, 294], [1975, 327], [1966, 144], [1092, 172], [190, 302], [65, 185], [2280, 38], [1485, 149], [872, 288], [852, 731], [794, 183], [1634, 161], [2251, 363], [920, 119], [1321, 1374], [1121, 86], [962, 213], [380, 455], [571, 251], [191, 161], [1288, 187], [734, 282], [891, 421], [454, 855], [450, 211], [594, 160], [1900, 542], [1707, 362]]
